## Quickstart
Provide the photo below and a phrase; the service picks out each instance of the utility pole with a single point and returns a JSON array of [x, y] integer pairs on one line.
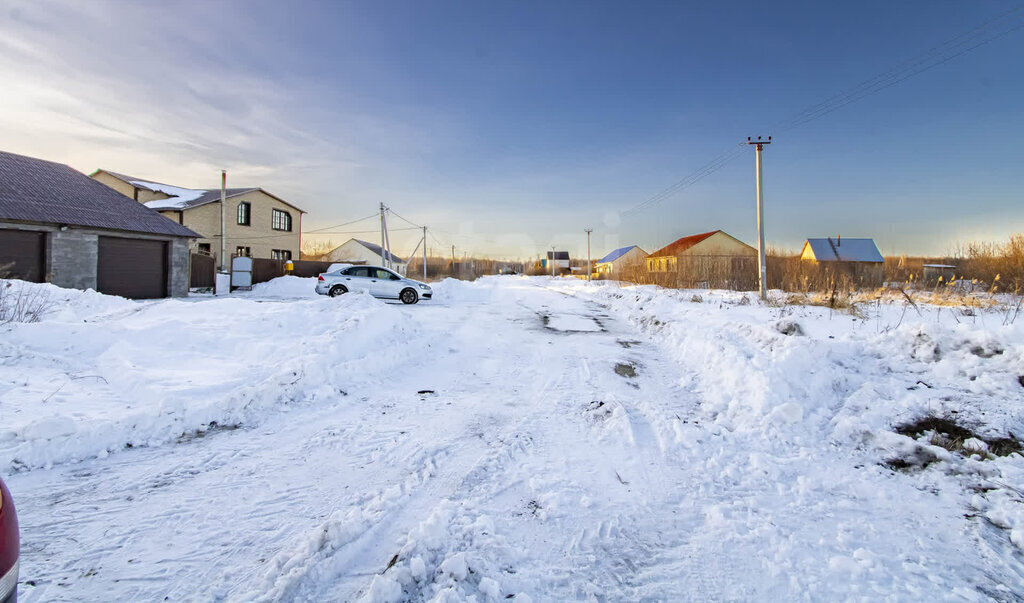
[[453, 260], [223, 202], [552, 260], [588, 231], [424, 254], [761, 269], [383, 229]]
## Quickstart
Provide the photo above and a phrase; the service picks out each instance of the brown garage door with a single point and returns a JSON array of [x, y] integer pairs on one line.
[[134, 268], [21, 255]]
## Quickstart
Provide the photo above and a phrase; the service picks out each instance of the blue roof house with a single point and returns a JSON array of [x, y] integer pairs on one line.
[[616, 262], [859, 258]]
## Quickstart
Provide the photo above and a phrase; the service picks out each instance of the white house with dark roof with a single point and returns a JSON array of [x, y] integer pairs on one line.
[[355, 251], [57, 225], [257, 223]]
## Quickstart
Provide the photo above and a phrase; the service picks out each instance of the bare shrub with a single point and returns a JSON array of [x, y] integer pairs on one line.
[[22, 303], [313, 249], [999, 265], [466, 268]]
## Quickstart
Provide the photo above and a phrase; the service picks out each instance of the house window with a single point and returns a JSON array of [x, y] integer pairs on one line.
[[244, 213], [281, 220], [204, 248], [243, 251], [281, 254]]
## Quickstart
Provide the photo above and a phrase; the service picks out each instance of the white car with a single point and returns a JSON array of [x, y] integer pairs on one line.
[[377, 281]]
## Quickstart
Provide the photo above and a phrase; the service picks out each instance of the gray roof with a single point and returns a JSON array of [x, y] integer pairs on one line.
[[35, 190], [843, 249], [558, 255], [383, 254]]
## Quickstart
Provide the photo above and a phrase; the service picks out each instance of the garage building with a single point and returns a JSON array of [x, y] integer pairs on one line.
[[57, 225]]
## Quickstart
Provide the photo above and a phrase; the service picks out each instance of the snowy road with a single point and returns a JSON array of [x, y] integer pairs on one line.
[[515, 438]]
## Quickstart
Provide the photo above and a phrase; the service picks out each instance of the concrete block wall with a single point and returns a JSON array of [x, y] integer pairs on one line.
[[178, 268], [73, 256]]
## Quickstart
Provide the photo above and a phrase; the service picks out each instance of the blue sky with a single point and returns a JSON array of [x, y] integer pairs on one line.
[[508, 127]]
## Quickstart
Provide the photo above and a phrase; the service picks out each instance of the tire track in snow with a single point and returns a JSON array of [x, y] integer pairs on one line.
[[343, 568]]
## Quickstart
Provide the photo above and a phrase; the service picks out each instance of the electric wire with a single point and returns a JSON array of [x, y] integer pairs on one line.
[[392, 212], [340, 225], [956, 46]]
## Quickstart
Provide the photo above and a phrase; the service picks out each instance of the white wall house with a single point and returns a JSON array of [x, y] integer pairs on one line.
[[620, 259], [355, 251]]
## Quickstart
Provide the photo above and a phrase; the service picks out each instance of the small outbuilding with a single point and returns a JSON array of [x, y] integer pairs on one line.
[[933, 274], [858, 259], [355, 251], [57, 225], [558, 259], [619, 261]]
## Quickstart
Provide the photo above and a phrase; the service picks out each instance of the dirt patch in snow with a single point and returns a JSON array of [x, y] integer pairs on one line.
[[626, 369], [955, 437], [212, 427]]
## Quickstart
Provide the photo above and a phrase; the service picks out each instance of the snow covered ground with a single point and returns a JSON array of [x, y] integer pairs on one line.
[[515, 438]]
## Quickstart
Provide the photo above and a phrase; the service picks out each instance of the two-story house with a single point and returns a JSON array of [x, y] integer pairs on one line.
[[257, 224]]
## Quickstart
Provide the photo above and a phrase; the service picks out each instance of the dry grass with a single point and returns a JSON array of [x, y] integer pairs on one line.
[[699, 272], [1000, 266], [468, 269], [20, 303]]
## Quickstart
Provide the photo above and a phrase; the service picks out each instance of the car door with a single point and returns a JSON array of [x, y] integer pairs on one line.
[[384, 283], [356, 278]]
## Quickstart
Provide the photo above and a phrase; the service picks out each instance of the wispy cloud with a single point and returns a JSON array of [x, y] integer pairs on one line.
[[177, 91]]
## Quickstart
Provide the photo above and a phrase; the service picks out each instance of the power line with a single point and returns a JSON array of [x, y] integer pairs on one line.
[[334, 232], [706, 170], [952, 48], [956, 46], [340, 225], [401, 218]]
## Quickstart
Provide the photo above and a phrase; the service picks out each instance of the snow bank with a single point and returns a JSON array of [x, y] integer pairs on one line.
[[58, 303], [100, 373], [806, 381], [285, 287]]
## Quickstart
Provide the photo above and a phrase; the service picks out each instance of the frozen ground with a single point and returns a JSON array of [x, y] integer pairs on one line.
[[524, 439]]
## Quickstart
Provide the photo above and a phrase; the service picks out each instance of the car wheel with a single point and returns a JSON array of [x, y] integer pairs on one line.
[[337, 290], [408, 296]]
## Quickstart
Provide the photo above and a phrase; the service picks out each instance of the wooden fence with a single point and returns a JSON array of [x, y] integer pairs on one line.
[[203, 271], [264, 269]]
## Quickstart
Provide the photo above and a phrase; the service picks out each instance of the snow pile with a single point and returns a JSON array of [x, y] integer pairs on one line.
[[102, 374], [466, 292], [450, 556], [56, 303], [288, 287]]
